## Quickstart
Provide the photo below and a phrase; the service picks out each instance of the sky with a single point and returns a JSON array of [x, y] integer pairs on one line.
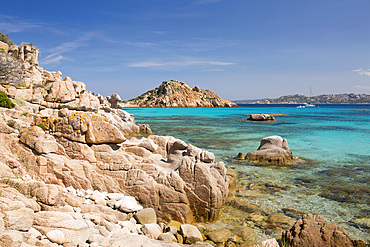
[[240, 49]]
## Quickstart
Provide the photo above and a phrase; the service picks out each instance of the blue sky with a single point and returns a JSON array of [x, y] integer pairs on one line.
[[240, 49]]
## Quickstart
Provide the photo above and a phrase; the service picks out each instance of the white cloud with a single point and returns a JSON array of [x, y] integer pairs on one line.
[[55, 54], [52, 59], [362, 71], [9, 24], [180, 63]]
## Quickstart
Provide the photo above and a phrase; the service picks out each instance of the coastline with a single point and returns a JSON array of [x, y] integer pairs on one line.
[[214, 142], [61, 139]]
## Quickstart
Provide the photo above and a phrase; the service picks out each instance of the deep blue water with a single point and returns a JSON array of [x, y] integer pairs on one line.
[[336, 139]]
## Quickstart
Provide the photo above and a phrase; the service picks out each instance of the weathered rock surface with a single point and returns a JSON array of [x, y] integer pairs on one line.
[[261, 117], [4, 46], [191, 234], [272, 150], [315, 231], [146, 216], [178, 94], [65, 136]]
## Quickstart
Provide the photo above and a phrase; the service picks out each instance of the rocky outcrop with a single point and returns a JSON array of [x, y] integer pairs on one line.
[[37, 214], [272, 150], [315, 231], [261, 117], [178, 94], [4, 46], [62, 134]]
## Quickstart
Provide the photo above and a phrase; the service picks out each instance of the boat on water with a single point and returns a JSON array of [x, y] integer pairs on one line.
[[308, 105]]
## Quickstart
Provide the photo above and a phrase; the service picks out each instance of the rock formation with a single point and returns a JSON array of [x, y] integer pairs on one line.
[[64, 136], [4, 46], [261, 117], [315, 231], [178, 94], [272, 150]]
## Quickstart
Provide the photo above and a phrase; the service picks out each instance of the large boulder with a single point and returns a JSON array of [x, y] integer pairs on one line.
[[146, 216], [260, 117], [20, 219], [272, 150], [85, 127], [115, 101], [4, 46], [315, 231], [190, 233], [179, 181]]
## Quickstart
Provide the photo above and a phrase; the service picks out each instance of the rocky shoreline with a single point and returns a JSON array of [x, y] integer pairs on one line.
[[76, 170]]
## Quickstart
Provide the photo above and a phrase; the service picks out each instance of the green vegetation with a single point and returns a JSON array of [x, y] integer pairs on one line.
[[5, 101], [5, 38], [38, 85], [24, 114], [10, 123], [19, 101], [40, 125]]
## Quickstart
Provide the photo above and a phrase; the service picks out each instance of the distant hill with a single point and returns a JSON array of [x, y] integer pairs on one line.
[[320, 99], [178, 94]]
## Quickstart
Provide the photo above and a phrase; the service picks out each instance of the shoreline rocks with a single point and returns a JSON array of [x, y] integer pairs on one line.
[[73, 174], [72, 137], [314, 230]]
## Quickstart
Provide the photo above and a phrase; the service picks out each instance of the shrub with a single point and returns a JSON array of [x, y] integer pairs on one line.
[[42, 126], [5, 101], [5, 38], [10, 123]]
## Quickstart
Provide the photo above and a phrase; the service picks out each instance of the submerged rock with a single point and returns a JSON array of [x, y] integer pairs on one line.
[[260, 117], [272, 150], [314, 230]]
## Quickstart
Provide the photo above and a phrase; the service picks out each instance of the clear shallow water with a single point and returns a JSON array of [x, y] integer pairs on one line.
[[336, 138]]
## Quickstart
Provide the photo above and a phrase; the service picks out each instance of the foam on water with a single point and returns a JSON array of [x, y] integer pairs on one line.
[[336, 138]]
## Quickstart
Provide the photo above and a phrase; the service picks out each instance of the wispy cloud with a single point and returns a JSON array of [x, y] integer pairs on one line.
[[55, 54], [123, 42], [180, 63], [10, 24], [362, 71]]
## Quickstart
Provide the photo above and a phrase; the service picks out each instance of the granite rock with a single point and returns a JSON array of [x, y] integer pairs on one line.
[[315, 231], [272, 150]]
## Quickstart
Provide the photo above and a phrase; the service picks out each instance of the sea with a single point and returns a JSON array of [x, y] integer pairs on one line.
[[332, 140]]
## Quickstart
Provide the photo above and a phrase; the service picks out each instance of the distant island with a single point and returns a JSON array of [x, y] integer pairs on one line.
[[350, 98], [175, 93]]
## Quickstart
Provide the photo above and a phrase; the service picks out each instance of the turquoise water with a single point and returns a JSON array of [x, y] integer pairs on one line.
[[334, 182]]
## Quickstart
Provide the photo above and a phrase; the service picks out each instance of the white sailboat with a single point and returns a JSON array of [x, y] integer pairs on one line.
[[310, 104], [307, 104]]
